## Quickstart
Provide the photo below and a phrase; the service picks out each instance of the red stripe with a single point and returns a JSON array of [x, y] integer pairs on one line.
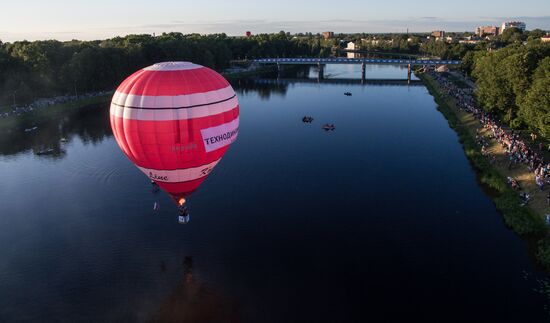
[[169, 83], [166, 145], [182, 189]]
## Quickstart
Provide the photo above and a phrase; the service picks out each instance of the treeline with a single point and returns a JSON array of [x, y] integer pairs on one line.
[[31, 70], [514, 82]]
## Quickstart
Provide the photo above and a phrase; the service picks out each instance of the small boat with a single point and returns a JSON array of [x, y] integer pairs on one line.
[[31, 129], [64, 139], [307, 119], [347, 93], [328, 127], [45, 152]]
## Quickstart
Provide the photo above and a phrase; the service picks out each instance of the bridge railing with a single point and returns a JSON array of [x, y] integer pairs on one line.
[[354, 61]]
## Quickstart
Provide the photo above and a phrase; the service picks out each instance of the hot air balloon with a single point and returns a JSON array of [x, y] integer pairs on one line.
[[175, 121]]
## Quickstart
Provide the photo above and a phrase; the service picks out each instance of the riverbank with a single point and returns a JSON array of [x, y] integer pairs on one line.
[[527, 221], [54, 111]]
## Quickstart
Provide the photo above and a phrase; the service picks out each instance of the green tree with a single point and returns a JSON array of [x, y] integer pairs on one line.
[[511, 35], [505, 77], [535, 108]]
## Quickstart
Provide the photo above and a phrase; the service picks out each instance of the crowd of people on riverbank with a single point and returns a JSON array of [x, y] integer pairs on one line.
[[519, 150], [47, 102]]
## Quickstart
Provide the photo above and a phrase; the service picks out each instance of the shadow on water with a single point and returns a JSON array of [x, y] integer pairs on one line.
[[193, 301], [47, 138], [265, 89]]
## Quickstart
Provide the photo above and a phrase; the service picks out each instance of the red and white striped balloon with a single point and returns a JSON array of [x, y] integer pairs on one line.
[[175, 121]]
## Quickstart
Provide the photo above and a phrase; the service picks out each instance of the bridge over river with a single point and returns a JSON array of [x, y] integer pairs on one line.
[[321, 62], [345, 81]]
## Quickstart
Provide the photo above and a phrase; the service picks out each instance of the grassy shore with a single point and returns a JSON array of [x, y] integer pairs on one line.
[[53, 111], [527, 221]]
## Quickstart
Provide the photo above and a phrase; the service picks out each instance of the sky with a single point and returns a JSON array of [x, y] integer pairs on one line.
[[100, 19]]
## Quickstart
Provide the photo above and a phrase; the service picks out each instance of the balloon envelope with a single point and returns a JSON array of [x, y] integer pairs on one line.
[[175, 121]]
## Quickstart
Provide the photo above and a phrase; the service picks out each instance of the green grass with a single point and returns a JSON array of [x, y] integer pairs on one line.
[[46, 113], [526, 221], [6, 108]]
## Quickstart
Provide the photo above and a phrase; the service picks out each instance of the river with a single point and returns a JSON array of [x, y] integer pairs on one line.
[[380, 219]]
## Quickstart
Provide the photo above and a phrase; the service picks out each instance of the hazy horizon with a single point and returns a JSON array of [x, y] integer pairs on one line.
[[65, 20]]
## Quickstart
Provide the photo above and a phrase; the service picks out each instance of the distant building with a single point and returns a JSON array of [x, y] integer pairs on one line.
[[545, 39], [438, 34], [469, 41], [442, 69], [487, 31], [450, 40], [248, 34], [328, 34], [352, 46], [512, 24]]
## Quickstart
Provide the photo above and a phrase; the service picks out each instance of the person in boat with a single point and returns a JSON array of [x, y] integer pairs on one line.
[[329, 126]]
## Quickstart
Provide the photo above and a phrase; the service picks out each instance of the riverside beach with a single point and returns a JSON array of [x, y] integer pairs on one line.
[[526, 218]]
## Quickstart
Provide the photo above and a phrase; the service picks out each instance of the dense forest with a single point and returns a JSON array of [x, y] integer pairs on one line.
[[31, 70], [512, 70], [514, 82]]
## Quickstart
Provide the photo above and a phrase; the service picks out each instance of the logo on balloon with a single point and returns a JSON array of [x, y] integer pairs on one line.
[[157, 177], [220, 136]]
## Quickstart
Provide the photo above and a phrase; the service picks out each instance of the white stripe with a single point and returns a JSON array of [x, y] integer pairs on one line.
[[174, 101], [174, 114], [179, 175], [172, 66]]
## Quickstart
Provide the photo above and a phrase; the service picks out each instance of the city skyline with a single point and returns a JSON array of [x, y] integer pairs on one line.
[[64, 20]]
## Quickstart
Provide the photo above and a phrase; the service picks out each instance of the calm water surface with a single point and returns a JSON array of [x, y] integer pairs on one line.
[[381, 219]]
